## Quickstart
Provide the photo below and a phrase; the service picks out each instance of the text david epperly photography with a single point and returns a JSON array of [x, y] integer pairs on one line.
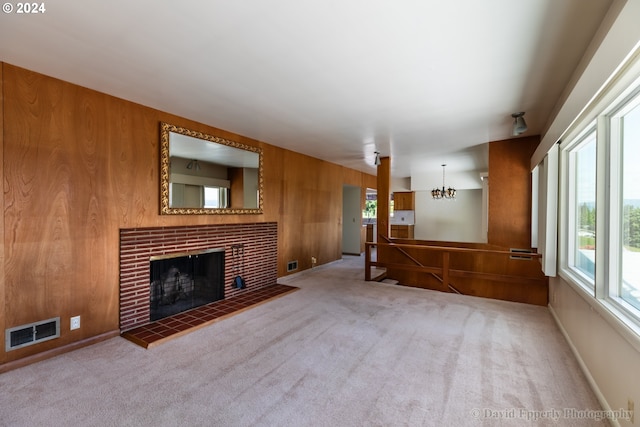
[[555, 414]]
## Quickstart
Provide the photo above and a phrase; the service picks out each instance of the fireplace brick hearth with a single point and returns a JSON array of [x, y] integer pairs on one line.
[[138, 245]]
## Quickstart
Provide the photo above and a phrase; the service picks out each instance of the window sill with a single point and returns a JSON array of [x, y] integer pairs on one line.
[[619, 320]]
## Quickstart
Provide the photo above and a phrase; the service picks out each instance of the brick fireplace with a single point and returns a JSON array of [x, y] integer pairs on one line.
[[139, 245]]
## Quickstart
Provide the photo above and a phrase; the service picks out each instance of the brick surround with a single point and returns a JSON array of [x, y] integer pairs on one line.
[[137, 245]]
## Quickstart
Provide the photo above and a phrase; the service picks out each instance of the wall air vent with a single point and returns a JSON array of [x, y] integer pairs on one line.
[[522, 254], [292, 266], [22, 336]]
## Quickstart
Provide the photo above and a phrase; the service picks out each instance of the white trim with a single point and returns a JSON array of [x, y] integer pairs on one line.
[[603, 201], [583, 366], [568, 208], [615, 193]]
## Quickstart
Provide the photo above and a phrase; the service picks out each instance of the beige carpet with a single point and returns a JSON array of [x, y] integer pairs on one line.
[[339, 352]]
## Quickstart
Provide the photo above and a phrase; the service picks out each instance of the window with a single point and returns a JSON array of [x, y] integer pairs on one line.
[[370, 209], [625, 241], [599, 242], [215, 197], [581, 223]]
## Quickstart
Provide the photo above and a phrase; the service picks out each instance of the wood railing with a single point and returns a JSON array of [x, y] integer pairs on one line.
[[440, 258], [416, 262]]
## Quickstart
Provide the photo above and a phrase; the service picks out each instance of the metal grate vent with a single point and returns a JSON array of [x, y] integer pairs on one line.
[[24, 335], [46, 330], [21, 336], [522, 254], [292, 266]]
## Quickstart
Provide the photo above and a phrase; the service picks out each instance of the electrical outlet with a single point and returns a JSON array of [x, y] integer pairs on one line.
[[313, 260], [630, 406], [75, 322]]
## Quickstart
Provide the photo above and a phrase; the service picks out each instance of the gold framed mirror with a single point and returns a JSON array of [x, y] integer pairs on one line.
[[202, 174]]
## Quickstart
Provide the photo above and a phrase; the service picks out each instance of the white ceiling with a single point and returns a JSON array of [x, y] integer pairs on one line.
[[422, 81], [189, 147]]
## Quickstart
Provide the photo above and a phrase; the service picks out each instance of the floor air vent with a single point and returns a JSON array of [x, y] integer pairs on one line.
[[292, 266], [22, 336]]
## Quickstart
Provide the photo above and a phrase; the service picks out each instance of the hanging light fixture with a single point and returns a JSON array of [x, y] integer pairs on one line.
[[377, 161], [519, 125], [444, 193]]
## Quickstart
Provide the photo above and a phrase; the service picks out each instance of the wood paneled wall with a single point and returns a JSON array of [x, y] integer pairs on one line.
[[2, 259], [79, 165], [531, 286], [510, 192], [509, 227]]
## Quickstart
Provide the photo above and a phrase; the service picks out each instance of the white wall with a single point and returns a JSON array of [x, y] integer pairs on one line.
[[609, 352], [465, 180], [351, 219], [617, 37], [251, 187], [459, 220], [609, 358]]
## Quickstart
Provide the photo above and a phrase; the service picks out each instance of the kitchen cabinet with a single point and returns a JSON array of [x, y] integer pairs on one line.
[[404, 201], [402, 231]]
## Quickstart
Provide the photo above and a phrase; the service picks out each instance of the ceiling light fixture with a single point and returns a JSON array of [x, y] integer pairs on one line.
[[193, 164], [377, 161], [444, 193], [519, 125]]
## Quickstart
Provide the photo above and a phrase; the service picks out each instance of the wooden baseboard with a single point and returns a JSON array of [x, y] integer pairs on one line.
[[9, 366]]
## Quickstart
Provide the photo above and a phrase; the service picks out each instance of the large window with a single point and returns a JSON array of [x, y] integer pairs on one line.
[[600, 204], [625, 134]]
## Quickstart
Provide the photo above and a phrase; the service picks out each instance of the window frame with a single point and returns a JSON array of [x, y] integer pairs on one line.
[[568, 209], [613, 115], [616, 98]]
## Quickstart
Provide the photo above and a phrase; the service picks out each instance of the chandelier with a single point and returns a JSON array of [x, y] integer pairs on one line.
[[444, 193]]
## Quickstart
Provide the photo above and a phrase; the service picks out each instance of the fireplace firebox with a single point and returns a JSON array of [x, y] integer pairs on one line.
[[180, 282]]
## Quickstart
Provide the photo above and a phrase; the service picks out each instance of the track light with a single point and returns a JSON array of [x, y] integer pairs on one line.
[[519, 125], [377, 161]]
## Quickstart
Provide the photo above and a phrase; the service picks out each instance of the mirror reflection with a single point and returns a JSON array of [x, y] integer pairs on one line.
[[204, 174]]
